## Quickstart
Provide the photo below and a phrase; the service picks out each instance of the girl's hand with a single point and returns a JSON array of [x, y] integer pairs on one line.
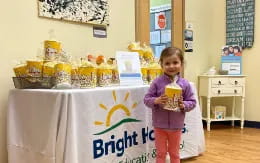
[[161, 100], [181, 104]]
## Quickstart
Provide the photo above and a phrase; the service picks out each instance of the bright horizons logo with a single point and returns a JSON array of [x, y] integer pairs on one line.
[[111, 111]]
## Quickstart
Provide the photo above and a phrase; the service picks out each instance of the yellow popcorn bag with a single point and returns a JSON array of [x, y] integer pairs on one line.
[[74, 72], [148, 53], [115, 73], [136, 47], [87, 77], [153, 73], [34, 68], [104, 75], [144, 71], [140, 52], [174, 92], [115, 76], [48, 69], [52, 49], [20, 70], [75, 75], [62, 72]]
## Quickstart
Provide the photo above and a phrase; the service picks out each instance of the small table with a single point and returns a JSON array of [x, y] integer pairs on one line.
[[222, 86]]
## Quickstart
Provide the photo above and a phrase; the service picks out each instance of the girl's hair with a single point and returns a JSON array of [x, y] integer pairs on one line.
[[171, 51], [225, 48], [237, 47]]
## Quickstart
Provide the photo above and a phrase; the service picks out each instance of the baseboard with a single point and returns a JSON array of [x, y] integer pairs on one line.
[[250, 124], [253, 124]]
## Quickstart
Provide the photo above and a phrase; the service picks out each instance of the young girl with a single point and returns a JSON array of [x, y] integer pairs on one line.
[[230, 51], [237, 51], [168, 124]]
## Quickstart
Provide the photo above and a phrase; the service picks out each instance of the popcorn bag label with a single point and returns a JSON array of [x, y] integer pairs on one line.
[[34, 68], [52, 48]]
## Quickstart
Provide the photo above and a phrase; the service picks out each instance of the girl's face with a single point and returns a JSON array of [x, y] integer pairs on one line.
[[235, 50], [226, 52], [171, 65], [231, 49]]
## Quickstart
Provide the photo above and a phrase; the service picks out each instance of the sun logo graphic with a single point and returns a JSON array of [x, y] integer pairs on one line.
[[111, 111]]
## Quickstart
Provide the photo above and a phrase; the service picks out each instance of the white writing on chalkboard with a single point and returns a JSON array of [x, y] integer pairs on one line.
[[240, 22]]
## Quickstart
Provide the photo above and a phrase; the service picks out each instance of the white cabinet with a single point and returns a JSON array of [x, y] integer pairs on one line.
[[222, 86]]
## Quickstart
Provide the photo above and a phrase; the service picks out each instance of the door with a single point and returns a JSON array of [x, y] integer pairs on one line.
[[170, 11]]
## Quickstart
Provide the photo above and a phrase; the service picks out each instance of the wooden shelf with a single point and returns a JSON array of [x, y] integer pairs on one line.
[[226, 119]]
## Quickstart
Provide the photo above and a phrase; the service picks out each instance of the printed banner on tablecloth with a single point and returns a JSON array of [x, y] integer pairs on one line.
[[119, 129], [102, 125], [123, 134]]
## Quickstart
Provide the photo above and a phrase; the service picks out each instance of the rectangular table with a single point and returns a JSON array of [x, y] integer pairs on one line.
[[103, 125]]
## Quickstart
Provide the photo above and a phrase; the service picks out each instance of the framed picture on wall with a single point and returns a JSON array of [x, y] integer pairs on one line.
[[82, 11]]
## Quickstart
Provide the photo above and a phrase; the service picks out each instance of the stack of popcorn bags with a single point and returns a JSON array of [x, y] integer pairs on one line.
[[68, 72], [150, 67], [54, 64], [94, 71], [85, 72]]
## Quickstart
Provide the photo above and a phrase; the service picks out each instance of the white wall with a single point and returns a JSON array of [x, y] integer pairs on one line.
[[209, 20], [21, 34], [199, 14], [250, 58], [22, 31]]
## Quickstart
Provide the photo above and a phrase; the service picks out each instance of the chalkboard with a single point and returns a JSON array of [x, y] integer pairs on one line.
[[240, 17]]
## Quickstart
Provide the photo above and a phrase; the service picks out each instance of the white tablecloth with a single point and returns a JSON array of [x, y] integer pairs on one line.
[[92, 125]]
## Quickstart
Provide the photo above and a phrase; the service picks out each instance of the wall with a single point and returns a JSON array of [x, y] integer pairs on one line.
[[199, 14], [251, 58], [22, 33]]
